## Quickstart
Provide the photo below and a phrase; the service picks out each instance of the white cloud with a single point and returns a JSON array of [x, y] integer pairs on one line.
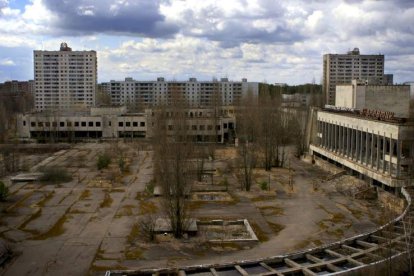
[[7, 62]]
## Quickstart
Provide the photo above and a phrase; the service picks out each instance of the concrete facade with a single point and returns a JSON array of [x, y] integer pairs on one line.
[[204, 125], [64, 79], [381, 151], [391, 98], [342, 68], [140, 94]]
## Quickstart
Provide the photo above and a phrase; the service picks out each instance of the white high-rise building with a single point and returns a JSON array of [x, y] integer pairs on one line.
[[139, 94], [341, 69], [64, 79]]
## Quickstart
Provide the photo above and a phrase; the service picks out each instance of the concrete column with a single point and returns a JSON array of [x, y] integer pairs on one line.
[[351, 144], [330, 137], [390, 170], [340, 140], [343, 140], [361, 145], [378, 150], [327, 135], [371, 160], [323, 134], [399, 146], [358, 145], [335, 139], [367, 148], [384, 148], [347, 141]]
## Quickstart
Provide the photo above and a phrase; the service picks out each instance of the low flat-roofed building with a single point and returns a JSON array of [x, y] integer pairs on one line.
[[204, 124]]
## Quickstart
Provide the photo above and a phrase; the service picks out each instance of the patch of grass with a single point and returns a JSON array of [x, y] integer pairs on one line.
[[147, 207], [45, 199], [76, 211], [107, 201], [271, 210], [133, 254], [125, 210], [259, 232], [276, 227], [134, 234], [85, 195], [34, 216], [56, 230], [263, 198], [338, 233], [337, 217], [193, 205]]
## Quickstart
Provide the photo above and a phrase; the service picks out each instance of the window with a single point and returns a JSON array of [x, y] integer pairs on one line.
[[33, 124], [128, 124], [170, 127], [40, 124], [76, 124], [98, 124], [224, 126], [48, 124], [142, 124], [121, 124], [218, 127], [194, 127], [54, 124], [62, 124], [209, 127], [69, 124], [83, 124], [202, 127], [135, 124], [109, 123]]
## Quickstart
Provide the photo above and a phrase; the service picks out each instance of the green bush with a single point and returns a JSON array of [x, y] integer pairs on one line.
[[103, 161], [264, 186], [121, 164], [55, 174], [4, 191]]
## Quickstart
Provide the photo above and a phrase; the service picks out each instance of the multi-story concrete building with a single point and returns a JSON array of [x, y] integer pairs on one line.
[[364, 135], [16, 87], [140, 94], [342, 68], [64, 79], [202, 124]]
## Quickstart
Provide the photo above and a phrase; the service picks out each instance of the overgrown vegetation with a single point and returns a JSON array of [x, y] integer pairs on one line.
[[4, 191], [55, 175], [103, 161]]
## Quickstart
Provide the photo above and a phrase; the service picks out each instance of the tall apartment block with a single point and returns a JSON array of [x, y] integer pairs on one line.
[[139, 94], [339, 69], [64, 79]]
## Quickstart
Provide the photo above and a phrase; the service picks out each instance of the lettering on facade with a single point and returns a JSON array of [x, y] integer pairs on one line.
[[377, 114], [340, 108]]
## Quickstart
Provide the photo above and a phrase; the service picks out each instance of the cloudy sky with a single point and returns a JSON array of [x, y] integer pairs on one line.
[[262, 40]]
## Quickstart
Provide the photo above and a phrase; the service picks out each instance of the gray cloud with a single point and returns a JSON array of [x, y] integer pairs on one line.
[[81, 17]]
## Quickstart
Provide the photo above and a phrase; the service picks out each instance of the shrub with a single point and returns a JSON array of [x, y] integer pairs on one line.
[[103, 161], [263, 186], [55, 174], [4, 191]]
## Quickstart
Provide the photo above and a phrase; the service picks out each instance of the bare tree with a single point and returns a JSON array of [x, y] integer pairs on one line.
[[173, 150]]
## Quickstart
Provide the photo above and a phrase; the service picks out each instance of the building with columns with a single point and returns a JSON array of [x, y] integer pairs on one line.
[[375, 144]]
